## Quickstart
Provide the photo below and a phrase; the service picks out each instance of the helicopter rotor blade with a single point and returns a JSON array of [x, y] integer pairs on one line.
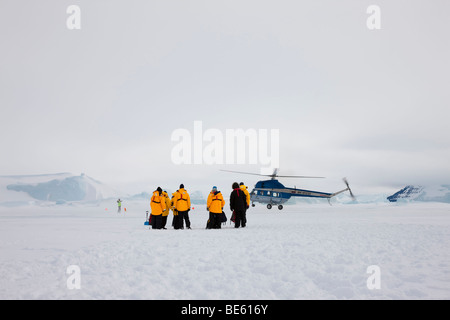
[[349, 190], [255, 174], [301, 177], [271, 175]]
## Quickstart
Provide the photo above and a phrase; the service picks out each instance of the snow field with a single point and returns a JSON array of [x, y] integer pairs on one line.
[[303, 252]]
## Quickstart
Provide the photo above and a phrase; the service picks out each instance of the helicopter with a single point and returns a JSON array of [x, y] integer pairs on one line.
[[272, 192]]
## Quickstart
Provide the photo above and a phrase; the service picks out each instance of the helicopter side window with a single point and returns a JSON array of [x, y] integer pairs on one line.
[[275, 194], [268, 193]]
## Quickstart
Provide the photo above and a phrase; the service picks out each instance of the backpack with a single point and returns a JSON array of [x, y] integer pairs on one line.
[[233, 217], [224, 217]]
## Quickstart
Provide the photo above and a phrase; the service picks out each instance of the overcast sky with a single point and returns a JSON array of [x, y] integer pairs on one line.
[[370, 105]]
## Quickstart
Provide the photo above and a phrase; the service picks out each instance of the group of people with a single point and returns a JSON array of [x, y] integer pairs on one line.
[[161, 204], [180, 204]]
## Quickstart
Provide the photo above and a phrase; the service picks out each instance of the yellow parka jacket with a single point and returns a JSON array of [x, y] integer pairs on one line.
[[215, 202], [247, 194], [168, 204], [172, 206], [157, 203], [182, 200]]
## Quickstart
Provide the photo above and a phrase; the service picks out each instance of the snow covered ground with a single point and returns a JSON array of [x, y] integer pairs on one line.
[[306, 251]]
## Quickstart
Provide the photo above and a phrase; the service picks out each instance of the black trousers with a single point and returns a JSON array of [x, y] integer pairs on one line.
[[245, 216], [240, 219], [215, 221], [176, 222], [184, 216], [163, 221], [156, 222]]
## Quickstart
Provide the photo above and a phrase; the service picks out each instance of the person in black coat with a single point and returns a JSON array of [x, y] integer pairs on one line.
[[238, 204]]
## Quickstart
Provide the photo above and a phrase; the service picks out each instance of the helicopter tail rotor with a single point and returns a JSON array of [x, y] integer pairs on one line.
[[346, 189], [349, 190]]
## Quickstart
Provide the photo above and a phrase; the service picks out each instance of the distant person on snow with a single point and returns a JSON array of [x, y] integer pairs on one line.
[[214, 205], [158, 205], [119, 205], [238, 205], [182, 203]]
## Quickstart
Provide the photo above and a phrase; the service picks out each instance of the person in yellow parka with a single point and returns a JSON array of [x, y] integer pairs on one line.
[[175, 220], [158, 205], [182, 203], [243, 187], [214, 205], [165, 213]]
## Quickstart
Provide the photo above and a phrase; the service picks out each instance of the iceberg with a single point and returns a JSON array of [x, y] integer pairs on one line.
[[55, 188], [440, 193]]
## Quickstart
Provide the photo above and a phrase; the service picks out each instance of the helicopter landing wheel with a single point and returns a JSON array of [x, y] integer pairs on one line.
[[269, 206], [253, 204], [280, 207]]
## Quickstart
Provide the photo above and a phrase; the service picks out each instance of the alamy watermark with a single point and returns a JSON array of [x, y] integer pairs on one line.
[[73, 21], [74, 279], [234, 146], [373, 22], [374, 280]]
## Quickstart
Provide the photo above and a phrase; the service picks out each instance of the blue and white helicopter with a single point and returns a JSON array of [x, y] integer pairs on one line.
[[272, 192]]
